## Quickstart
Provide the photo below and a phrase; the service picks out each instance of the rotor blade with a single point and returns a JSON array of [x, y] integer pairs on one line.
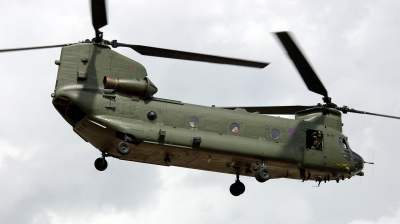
[[288, 110], [99, 15], [166, 53], [32, 48], [364, 112], [311, 79]]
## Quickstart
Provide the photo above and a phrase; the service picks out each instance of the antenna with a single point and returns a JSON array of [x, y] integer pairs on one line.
[[372, 163]]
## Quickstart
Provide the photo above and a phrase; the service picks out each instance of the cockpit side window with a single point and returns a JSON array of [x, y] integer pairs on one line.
[[343, 142], [346, 155], [314, 140]]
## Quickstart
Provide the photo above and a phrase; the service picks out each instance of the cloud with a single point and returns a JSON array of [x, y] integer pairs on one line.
[[386, 219], [46, 170]]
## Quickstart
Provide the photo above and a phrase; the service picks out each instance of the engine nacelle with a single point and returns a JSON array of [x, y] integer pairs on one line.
[[132, 87]]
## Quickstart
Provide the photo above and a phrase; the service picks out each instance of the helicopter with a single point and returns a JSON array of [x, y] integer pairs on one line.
[[109, 101]]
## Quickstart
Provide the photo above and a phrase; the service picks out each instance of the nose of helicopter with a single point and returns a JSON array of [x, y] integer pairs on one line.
[[359, 162]]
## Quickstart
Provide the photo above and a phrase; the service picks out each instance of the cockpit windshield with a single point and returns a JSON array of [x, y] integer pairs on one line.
[[359, 161]]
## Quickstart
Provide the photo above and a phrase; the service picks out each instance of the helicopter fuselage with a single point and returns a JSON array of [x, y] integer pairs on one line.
[[172, 133]]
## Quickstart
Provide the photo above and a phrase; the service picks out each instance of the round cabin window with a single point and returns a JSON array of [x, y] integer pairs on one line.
[[234, 128], [274, 133], [193, 122], [152, 116]]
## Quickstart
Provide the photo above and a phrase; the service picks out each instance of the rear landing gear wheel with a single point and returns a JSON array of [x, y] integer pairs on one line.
[[123, 148], [100, 164], [237, 188], [263, 174]]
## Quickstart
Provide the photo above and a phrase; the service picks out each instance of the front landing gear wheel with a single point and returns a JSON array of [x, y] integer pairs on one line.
[[100, 164], [123, 148], [237, 188], [263, 175]]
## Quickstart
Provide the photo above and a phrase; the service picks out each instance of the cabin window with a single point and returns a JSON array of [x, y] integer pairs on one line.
[[234, 128], [152, 116], [274, 133], [193, 122], [314, 140]]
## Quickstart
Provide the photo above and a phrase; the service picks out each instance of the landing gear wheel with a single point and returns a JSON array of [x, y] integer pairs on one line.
[[237, 188], [123, 148], [100, 164], [263, 175]]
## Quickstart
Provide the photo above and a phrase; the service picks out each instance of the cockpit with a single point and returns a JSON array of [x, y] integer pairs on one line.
[[358, 160]]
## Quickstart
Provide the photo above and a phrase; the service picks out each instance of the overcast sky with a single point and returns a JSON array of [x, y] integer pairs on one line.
[[46, 170]]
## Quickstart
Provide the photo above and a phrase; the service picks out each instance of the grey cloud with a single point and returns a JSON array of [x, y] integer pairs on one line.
[[352, 45]]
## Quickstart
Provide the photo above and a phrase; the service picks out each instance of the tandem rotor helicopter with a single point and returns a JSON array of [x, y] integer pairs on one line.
[[109, 101]]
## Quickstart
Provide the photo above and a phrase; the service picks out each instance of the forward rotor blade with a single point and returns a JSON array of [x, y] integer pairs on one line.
[[32, 48], [364, 112], [311, 79], [166, 53], [99, 15], [285, 110]]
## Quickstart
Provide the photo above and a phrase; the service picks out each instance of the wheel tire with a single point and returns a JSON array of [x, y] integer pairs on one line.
[[237, 188], [123, 148], [240, 187], [100, 164], [263, 175], [234, 191]]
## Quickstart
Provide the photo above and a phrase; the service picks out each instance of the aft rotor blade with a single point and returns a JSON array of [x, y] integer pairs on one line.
[[166, 53], [32, 48], [99, 15], [311, 79], [364, 112], [284, 110]]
